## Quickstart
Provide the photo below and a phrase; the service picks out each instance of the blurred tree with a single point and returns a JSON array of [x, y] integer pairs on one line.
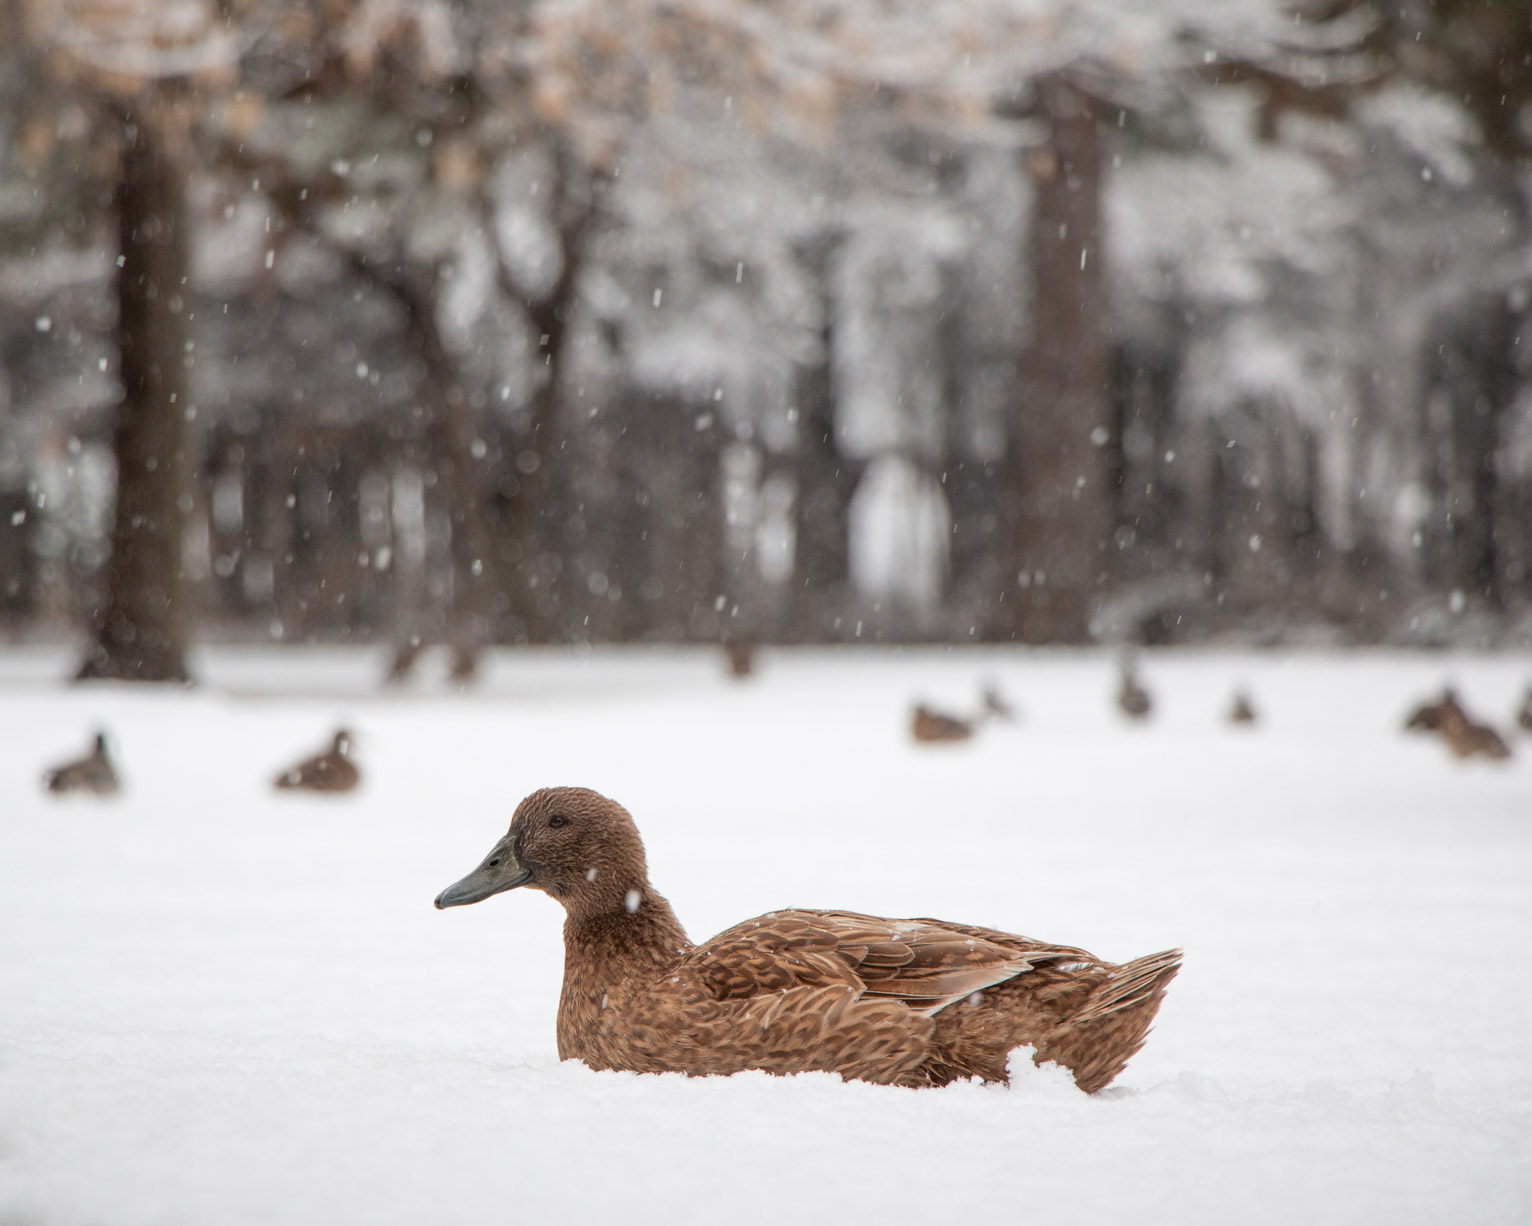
[[142, 628], [463, 199], [1041, 76], [1476, 51], [140, 70]]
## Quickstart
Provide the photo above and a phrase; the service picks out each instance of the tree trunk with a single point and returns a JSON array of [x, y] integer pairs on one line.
[[142, 628], [457, 452], [1061, 503], [826, 481], [538, 546]]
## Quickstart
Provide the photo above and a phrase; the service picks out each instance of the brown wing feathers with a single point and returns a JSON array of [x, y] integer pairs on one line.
[[1070, 1006], [923, 963]]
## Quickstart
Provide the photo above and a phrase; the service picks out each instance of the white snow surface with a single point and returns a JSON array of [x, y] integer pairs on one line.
[[221, 1005]]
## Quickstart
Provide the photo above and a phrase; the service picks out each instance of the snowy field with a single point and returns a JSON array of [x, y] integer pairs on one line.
[[220, 1005]]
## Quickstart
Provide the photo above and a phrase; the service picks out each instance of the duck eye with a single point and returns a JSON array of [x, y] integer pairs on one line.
[[558, 819]]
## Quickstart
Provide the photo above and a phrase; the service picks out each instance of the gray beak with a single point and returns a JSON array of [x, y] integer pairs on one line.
[[500, 871]]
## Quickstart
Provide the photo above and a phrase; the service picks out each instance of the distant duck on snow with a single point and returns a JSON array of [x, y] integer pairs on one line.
[[739, 655], [332, 771], [1463, 735], [1242, 712], [93, 773], [929, 726], [1430, 716], [1467, 738], [1132, 698], [996, 705], [917, 1002]]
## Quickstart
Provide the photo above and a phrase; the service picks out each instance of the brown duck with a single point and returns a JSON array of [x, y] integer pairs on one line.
[[92, 773], [406, 656], [1430, 716], [932, 727], [1467, 738], [917, 1002], [331, 771], [740, 657], [1242, 712]]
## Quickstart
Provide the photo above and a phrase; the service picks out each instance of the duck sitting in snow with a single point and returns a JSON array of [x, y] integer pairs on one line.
[[1243, 710], [1132, 698], [932, 727], [995, 705], [1467, 738], [916, 1002], [739, 654], [463, 666], [1430, 716], [92, 773], [331, 771]]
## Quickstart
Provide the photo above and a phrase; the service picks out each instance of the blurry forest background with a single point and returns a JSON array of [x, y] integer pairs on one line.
[[471, 322]]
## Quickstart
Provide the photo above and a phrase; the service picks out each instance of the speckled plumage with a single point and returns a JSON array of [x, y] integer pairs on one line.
[[915, 1002]]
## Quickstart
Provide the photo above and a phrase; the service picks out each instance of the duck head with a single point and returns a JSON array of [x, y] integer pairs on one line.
[[571, 843]]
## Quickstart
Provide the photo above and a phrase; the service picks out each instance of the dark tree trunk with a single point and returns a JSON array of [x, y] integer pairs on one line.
[[973, 486], [457, 454], [142, 628], [1060, 471], [537, 549], [674, 566], [826, 481]]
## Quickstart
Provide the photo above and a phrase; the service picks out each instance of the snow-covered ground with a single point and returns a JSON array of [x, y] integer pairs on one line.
[[220, 1005]]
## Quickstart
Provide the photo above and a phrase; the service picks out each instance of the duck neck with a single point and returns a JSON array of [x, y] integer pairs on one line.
[[642, 937], [602, 952]]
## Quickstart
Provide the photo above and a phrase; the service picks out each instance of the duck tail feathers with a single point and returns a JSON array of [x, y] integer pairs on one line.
[[1097, 1043], [1135, 983]]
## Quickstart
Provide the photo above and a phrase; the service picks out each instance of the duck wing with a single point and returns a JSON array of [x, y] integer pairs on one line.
[[328, 772], [303, 775], [923, 964]]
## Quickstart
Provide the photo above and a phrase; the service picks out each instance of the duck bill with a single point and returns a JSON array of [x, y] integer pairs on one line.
[[499, 872]]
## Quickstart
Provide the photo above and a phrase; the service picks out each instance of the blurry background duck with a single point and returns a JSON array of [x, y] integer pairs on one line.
[[402, 663], [332, 771], [929, 726], [1524, 715], [463, 666], [740, 657], [1242, 712], [93, 773], [996, 705], [1430, 716], [1466, 737], [1132, 698], [910, 1002]]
